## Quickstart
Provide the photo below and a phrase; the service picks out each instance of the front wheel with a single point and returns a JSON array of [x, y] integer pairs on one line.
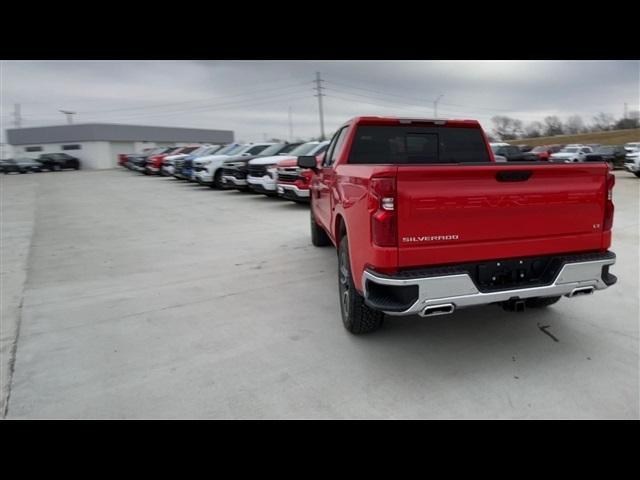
[[319, 237], [217, 180], [357, 317]]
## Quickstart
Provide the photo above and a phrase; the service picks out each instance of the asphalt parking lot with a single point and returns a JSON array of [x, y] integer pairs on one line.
[[145, 297]]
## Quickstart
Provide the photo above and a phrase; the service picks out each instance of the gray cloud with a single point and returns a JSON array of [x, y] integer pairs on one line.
[[253, 97]]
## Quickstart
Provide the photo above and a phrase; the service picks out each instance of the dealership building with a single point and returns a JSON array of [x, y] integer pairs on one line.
[[97, 145]]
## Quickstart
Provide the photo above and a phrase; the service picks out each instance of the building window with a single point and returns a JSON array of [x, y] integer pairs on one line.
[[32, 149], [71, 147]]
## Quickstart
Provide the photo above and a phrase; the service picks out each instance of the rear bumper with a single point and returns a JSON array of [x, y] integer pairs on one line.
[[410, 295]]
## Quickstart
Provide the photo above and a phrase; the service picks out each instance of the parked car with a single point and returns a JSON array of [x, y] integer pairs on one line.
[[138, 161], [420, 230], [612, 154], [632, 147], [168, 165], [525, 148], [632, 163], [234, 169], [571, 154], [20, 165], [545, 151], [154, 162], [58, 161], [292, 181], [512, 153], [262, 172], [208, 170]]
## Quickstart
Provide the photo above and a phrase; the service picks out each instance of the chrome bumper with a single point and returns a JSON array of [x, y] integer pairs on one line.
[[459, 290], [297, 191], [234, 180]]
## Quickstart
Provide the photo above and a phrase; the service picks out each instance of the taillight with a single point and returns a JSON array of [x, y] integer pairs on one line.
[[382, 205], [607, 224]]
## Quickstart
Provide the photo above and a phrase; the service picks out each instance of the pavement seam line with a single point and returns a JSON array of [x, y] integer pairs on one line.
[[14, 346]]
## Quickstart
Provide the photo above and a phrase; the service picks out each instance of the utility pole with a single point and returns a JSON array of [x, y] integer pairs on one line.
[[17, 117], [290, 127], [69, 115], [435, 106], [319, 89]]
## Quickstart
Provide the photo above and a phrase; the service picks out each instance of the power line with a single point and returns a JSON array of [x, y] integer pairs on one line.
[[199, 101], [421, 100], [203, 108]]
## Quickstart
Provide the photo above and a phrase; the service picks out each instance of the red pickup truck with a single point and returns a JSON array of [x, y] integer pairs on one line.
[[426, 222]]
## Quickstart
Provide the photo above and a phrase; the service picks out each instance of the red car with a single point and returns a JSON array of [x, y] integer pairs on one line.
[[545, 151], [426, 222], [155, 162], [293, 182]]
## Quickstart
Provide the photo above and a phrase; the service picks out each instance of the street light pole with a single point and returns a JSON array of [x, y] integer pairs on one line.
[[435, 106], [69, 114]]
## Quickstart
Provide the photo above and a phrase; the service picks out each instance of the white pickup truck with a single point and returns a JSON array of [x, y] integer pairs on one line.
[[262, 175], [208, 169]]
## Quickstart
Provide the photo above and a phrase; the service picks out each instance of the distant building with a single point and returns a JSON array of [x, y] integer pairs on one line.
[[97, 145]]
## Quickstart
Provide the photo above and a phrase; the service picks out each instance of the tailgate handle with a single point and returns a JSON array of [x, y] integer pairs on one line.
[[514, 175]]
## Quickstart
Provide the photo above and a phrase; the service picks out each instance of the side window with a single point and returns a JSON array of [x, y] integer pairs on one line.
[[335, 147]]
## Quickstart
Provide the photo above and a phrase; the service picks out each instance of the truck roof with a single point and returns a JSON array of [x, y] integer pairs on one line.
[[374, 120]]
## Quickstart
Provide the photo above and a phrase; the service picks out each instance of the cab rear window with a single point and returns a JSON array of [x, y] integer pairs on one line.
[[417, 145]]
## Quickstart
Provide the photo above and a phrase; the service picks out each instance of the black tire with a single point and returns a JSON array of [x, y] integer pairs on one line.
[[540, 302], [637, 174], [55, 167], [217, 180], [319, 237], [357, 317], [23, 171]]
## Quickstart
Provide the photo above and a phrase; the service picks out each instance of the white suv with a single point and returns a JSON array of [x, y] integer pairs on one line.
[[207, 169], [571, 154]]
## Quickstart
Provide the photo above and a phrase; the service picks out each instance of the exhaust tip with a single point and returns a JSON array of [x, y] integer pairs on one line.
[[442, 309], [581, 291]]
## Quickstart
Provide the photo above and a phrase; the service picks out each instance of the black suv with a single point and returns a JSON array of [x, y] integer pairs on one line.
[[612, 154], [513, 153], [58, 161]]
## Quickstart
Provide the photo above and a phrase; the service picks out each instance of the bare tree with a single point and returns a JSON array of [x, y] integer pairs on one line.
[[574, 124], [602, 122], [506, 128], [533, 129], [553, 126]]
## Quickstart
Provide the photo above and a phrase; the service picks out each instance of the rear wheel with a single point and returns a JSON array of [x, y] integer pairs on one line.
[[637, 174], [357, 317], [319, 237], [55, 167], [540, 302]]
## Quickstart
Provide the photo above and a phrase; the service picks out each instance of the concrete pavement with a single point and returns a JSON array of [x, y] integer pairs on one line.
[[149, 297]]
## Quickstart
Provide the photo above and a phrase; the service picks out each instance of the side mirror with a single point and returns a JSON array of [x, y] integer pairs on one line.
[[308, 161]]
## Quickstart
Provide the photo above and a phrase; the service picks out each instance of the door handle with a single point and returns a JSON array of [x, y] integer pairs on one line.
[[514, 175]]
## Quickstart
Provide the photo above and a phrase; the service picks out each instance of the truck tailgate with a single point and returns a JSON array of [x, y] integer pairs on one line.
[[461, 213]]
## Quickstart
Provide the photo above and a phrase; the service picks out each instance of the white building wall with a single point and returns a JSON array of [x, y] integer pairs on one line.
[[92, 155]]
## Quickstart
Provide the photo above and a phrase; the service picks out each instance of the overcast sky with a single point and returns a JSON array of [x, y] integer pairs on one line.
[[252, 98]]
